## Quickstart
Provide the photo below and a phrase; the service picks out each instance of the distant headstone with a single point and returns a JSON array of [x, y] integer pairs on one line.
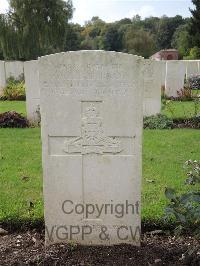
[[14, 69], [175, 75], [152, 87], [91, 107], [192, 67], [31, 73], [2, 76], [163, 72]]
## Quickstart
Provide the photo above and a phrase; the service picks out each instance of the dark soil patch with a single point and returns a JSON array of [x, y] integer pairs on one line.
[[28, 248], [193, 123]]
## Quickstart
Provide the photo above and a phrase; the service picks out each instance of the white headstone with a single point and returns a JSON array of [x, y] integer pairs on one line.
[[31, 73], [91, 107], [2, 76], [152, 87], [192, 67], [175, 75], [163, 70], [14, 69]]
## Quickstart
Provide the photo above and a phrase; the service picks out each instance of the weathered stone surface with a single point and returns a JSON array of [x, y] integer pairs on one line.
[[192, 67], [152, 87], [14, 69], [31, 73], [91, 106], [163, 70], [2, 76], [175, 74]]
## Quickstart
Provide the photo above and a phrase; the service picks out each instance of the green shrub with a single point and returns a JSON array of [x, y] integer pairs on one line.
[[194, 54], [185, 208], [158, 122], [14, 90]]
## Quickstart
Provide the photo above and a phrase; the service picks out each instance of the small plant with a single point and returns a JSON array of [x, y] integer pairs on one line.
[[14, 90], [185, 208], [158, 122], [72, 246], [168, 105], [194, 172]]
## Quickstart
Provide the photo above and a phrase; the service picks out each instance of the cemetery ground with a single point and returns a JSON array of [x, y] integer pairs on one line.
[[18, 106], [176, 109], [21, 204]]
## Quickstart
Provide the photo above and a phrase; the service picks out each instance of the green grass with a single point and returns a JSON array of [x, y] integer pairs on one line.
[[173, 109], [164, 153], [176, 109], [18, 106], [20, 156]]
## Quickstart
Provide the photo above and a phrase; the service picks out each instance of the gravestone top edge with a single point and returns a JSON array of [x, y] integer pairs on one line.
[[30, 61], [90, 52]]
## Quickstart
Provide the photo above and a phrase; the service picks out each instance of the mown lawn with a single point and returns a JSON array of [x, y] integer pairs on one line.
[[164, 152], [176, 109], [173, 109], [17, 106]]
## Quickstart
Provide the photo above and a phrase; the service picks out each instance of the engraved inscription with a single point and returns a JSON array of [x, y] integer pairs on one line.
[[96, 80], [87, 91]]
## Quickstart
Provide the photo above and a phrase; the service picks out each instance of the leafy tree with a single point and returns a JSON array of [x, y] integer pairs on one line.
[[38, 27], [166, 28], [151, 24], [194, 53], [9, 39], [137, 22], [139, 42], [92, 34], [124, 21], [181, 40], [112, 39], [195, 23], [73, 37]]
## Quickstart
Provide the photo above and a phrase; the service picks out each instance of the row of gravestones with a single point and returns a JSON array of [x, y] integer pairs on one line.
[[166, 74], [29, 71], [157, 74], [92, 112], [176, 72]]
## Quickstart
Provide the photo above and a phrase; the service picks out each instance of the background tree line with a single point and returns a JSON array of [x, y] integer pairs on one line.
[[33, 28]]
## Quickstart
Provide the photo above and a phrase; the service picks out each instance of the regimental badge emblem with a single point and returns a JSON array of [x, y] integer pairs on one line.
[[93, 139]]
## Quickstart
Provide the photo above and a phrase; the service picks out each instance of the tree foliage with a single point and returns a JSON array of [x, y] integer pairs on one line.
[[34, 27], [181, 40], [139, 42], [195, 23]]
